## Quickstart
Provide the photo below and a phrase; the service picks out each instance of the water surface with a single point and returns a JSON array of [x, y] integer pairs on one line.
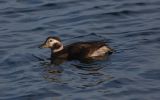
[[132, 28]]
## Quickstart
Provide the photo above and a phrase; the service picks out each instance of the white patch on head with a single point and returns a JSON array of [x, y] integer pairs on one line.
[[100, 52], [51, 42]]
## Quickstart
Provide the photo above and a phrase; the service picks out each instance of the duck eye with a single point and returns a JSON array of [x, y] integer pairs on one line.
[[50, 40]]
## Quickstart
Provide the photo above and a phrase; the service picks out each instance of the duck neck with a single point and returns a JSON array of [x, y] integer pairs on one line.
[[61, 47]]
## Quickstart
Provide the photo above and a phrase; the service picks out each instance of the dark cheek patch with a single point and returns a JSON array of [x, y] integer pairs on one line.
[[56, 46]]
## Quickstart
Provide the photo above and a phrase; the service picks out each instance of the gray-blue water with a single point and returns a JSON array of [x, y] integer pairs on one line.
[[131, 27]]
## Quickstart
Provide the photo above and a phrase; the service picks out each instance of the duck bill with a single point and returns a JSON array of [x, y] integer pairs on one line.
[[43, 46]]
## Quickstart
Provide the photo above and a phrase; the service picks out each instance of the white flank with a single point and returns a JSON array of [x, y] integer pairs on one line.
[[100, 52]]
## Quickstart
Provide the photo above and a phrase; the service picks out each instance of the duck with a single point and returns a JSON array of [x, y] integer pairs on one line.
[[92, 50]]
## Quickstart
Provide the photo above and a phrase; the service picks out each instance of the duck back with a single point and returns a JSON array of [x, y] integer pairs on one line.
[[83, 50]]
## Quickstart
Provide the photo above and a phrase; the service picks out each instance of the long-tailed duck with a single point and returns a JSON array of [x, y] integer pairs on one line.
[[78, 50]]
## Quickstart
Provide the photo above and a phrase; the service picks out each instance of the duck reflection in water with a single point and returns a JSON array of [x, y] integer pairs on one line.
[[82, 51]]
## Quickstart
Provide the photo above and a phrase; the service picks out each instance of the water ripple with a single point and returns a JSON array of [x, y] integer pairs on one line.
[[130, 27]]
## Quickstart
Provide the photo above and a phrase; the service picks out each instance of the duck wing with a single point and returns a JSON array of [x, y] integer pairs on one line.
[[82, 49]]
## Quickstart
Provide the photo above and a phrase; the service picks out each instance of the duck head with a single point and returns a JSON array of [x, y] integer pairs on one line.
[[54, 43]]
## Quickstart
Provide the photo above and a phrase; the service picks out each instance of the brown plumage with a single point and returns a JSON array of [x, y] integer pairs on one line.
[[78, 50]]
